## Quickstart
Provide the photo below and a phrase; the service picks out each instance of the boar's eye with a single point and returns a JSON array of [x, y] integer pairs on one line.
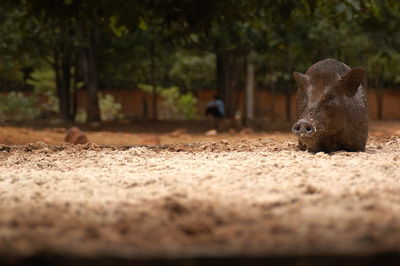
[[329, 97]]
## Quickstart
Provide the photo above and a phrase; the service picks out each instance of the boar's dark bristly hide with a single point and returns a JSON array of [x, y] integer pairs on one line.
[[331, 108]]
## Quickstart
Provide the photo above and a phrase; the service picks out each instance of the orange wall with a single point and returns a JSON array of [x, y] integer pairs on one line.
[[391, 104], [132, 103]]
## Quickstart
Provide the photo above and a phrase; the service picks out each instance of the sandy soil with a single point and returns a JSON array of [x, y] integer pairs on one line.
[[231, 197]]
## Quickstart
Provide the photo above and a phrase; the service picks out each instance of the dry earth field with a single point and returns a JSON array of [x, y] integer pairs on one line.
[[253, 195]]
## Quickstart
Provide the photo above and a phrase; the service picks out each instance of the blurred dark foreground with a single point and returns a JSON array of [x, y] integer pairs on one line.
[[387, 259]]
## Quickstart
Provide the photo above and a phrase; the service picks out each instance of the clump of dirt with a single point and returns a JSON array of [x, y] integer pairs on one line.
[[75, 136], [231, 197]]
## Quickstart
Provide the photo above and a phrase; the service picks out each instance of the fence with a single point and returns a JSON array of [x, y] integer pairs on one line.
[[137, 104]]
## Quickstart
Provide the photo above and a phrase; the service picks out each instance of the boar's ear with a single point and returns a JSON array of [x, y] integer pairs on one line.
[[350, 81], [302, 80]]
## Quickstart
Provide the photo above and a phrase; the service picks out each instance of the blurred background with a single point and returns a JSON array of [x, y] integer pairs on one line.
[[147, 69]]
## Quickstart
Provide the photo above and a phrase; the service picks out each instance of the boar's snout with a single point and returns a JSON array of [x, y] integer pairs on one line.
[[303, 128]]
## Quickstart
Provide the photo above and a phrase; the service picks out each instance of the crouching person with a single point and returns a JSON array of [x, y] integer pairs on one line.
[[216, 109]]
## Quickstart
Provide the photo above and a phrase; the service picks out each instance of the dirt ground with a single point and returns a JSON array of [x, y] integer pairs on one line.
[[233, 194], [144, 133]]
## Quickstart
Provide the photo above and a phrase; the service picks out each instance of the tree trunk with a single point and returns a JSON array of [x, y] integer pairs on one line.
[[56, 69], [273, 93], [66, 85], [89, 67], [288, 92], [379, 102], [145, 113], [232, 73], [229, 71], [377, 85], [153, 79], [220, 75], [228, 87], [62, 73], [225, 81], [250, 91], [288, 97], [75, 92]]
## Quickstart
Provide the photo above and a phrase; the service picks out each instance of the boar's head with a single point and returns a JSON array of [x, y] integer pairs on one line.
[[324, 94]]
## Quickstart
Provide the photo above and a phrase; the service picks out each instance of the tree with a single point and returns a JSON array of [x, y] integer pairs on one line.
[[75, 28], [125, 43], [380, 22]]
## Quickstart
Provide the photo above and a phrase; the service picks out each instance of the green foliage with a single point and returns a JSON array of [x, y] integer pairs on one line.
[[383, 67], [148, 88], [110, 109], [186, 105], [42, 79], [175, 104], [179, 106], [51, 105], [81, 116], [16, 106], [194, 71]]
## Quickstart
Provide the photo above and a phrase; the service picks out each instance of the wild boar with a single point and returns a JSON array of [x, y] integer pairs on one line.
[[331, 108]]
